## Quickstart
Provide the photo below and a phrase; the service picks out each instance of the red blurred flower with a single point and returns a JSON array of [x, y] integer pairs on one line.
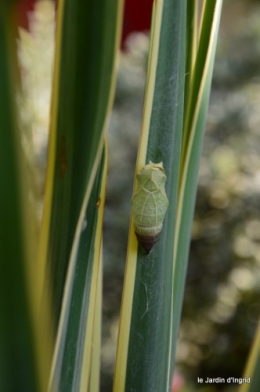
[[137, 15]]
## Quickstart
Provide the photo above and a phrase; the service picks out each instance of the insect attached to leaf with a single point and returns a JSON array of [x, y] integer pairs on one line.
[[149, 204]]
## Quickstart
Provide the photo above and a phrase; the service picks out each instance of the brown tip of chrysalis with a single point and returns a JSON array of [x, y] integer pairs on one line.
[[147, 242]]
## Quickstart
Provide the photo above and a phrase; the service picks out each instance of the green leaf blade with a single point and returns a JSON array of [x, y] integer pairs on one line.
[[81, 289], [189, 176], [149, 347], [83, 90], [18, 359]]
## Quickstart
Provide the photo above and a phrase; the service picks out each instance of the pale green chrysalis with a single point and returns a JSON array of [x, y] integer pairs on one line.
[[149, 204]]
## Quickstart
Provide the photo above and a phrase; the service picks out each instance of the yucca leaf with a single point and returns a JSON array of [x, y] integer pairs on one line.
[[72, 360], [252, 370], [201, 66], [94, 380], [144, 347], [87, 39], [23, 358], [191, 45], [154, 284], [191, 151]]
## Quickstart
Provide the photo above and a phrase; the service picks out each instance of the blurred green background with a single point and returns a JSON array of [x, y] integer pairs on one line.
[[221, 302]]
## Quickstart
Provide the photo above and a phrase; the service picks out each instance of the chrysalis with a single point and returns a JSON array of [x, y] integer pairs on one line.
[[149, 204]]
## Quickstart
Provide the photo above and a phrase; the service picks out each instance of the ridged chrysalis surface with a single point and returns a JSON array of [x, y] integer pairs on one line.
[[149, 204]]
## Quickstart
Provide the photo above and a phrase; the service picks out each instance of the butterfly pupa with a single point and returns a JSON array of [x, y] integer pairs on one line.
[[149, 204]]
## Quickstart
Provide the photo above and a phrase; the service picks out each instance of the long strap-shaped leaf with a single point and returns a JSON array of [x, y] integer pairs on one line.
[[200, 89], [154, 284], [94, 381], [191, 46], [72, 359], [252, 370], [145, 326], [24, 349], [87, 42]]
